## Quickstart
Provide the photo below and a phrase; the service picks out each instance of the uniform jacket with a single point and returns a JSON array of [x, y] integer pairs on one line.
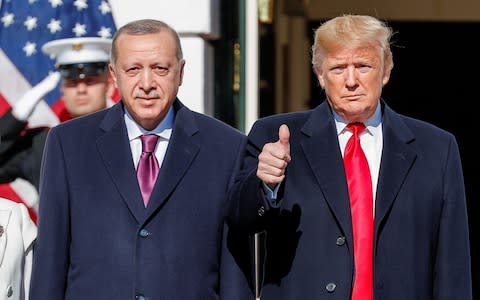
[[17, 236], [97, 240], [21, 150], [421, 246]]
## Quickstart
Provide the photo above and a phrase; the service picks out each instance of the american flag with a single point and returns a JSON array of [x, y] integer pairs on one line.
[[25, 25]]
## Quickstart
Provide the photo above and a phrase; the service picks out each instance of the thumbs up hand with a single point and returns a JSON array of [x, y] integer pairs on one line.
[[274, 158]]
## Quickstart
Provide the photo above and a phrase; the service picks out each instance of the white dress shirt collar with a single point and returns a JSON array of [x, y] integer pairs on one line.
[[372, 124], [164, 129]]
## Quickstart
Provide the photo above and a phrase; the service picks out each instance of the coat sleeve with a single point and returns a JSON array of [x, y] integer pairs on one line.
[[452, 265], [51, 257], [10, 126], [247, 201]]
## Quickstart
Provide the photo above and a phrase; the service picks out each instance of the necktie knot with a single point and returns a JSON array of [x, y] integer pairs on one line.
[[149, 141], [356, 127]]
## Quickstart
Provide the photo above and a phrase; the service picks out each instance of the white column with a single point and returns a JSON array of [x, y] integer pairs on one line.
[[251, 63]]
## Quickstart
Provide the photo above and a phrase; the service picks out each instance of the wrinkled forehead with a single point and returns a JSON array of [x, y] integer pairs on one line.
[[162, 43]]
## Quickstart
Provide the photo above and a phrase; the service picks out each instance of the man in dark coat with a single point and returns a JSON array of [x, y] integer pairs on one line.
[[100, 235], [295, 186]]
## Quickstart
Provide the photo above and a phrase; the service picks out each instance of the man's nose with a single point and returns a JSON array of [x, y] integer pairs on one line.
[[147, 80], [81, 86], [350, 77]]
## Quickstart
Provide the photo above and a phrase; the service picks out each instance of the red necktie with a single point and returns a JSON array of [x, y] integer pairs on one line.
[[147, 170], [361, 203]]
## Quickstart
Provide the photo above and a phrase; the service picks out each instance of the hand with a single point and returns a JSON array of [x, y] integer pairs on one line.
[[274, 158], [23, 108]]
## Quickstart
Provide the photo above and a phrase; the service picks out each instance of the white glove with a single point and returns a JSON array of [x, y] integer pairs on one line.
[[23, 108]]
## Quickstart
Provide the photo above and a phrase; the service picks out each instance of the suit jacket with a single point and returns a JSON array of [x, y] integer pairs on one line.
[[421, 246], [21, 150], [97, 240], [17, 236]]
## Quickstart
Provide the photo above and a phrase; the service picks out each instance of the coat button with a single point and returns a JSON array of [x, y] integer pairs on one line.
[[331, 287], [9, 291], [340, 241], [261, 211], [144, 233]]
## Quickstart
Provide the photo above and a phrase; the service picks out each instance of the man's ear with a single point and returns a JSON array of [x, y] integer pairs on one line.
[[386, 77], [320, 75], [182, 65], [62, 86], [112, 84], [112, 77]]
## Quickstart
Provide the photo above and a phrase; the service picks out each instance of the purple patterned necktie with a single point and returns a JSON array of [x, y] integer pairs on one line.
[[147, 170]]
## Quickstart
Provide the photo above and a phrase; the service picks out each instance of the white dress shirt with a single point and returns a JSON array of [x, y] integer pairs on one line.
[[371, 140], [164, 130]]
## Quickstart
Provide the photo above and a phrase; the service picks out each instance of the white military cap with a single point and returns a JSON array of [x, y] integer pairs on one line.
[[79, 57]]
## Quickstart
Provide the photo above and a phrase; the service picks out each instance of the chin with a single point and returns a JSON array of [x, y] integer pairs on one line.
[[149, 114]]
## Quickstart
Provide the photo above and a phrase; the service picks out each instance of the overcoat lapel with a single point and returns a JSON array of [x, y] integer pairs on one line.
[[320, 145], [114, 149], [181, 152], [322, 151], [397, 159]]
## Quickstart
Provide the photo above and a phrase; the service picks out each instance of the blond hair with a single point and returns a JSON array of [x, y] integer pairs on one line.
[[350, 32]]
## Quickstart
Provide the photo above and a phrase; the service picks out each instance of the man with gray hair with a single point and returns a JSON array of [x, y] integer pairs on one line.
[[133, 197]]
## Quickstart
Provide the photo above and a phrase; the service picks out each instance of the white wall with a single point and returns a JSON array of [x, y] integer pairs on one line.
[[196, 21]]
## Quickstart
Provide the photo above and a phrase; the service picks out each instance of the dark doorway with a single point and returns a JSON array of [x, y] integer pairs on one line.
[[434, 79]]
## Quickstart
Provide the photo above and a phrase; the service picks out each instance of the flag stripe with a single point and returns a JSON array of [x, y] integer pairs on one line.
[[24, 27], [9, 191]]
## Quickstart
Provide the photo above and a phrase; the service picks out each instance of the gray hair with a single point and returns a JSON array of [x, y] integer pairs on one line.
[[141, 27]]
